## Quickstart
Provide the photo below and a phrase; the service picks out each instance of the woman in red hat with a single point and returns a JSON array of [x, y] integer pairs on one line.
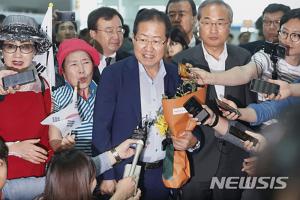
[[76, 63]]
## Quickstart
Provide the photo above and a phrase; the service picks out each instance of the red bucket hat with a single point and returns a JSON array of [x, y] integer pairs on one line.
[[70, 45]]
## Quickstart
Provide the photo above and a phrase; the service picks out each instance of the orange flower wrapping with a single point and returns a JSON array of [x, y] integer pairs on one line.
[[175, 114], [176, 165]]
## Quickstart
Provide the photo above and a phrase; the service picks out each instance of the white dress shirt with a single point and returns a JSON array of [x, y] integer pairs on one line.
[[192, 42], [217, 65]]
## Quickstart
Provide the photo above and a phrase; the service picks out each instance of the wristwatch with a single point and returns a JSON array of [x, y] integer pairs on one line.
[[196, 146], [116, 155]]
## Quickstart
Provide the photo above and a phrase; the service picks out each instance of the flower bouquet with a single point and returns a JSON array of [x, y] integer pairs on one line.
[[176, 167]]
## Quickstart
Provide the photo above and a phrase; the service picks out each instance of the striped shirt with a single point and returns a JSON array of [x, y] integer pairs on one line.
[[286, 72], [83, 134]]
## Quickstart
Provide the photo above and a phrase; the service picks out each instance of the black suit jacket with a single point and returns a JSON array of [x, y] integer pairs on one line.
[[218, 157], [120, 55]]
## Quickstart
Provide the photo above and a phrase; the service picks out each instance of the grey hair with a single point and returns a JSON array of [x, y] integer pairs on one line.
[[218, 2]]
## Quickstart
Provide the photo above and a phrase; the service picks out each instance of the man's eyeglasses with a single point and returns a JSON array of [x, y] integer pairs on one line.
[[24, 48], [218, 24], [270, 22], [295, 37], [110, 31], [145, 41]]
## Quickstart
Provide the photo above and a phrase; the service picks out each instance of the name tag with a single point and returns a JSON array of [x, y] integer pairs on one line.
[[178, 111]]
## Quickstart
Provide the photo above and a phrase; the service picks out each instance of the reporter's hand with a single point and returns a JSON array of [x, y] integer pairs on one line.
[[124, 149], [67, 142], [229, 115], [284, 92], [137, 196], [28, 150], [212, 116], [209, 120], [125, 188], [184, 141], [262, 142], [10, 90], [249, 166], [200, 75], [108, 186]]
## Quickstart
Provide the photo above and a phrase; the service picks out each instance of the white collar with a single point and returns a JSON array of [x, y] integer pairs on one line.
[[192, 42], [161, 71], [222, 56]]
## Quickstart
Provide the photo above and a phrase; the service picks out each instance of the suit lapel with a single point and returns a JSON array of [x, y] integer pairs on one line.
[[198, 59], [132, 86], [170, 82]]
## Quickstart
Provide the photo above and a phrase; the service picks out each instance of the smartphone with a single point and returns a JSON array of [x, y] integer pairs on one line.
[[227, 107], [242, 135], [195, 108], [261, 86], [21, 78]]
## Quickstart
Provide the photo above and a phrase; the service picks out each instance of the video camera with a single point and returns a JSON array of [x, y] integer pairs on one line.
[[274, 49]]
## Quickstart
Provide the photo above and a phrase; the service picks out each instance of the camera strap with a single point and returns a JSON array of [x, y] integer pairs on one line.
[[274, 60]]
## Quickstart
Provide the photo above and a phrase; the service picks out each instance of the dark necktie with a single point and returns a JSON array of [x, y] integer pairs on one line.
[[108, 60]]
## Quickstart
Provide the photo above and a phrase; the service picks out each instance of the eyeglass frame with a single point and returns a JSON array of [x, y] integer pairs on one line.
[[16, 47], [158, 44], [210, 23], [270, 22], [113, 30], [280, 33]]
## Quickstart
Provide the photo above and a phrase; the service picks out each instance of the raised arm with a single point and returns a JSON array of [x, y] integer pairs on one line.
[[286, 89], [238, 75]]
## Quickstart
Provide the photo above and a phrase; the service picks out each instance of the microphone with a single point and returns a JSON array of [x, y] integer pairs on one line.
[[138, 150]]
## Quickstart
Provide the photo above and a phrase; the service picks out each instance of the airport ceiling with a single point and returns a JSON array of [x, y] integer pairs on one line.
[[35, 6]]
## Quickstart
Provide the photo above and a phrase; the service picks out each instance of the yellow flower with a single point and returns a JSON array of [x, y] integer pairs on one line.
[[161, 125]]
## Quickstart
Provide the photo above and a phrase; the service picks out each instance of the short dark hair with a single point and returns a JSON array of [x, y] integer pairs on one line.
[[3, 150], [292, 14], [243, 33], [61, 22], [177, 35], [276, 7], [104, 12], [191, 2], [150, 15], [127, 30], [217, 2]]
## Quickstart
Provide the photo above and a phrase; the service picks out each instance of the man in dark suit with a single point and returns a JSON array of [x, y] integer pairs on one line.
[[106, 28], [183, 13], [216, 157], [132, 90], [271, 19]]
